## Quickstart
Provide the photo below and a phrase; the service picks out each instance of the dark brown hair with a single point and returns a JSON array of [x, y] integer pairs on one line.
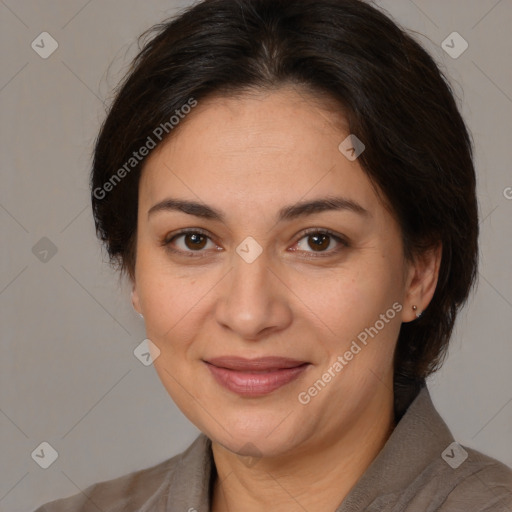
[[395, 99]]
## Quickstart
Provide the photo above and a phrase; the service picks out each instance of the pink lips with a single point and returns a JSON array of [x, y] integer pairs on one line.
[[255, 377]]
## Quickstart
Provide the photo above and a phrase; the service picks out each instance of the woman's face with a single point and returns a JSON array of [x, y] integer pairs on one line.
[[265, 280]]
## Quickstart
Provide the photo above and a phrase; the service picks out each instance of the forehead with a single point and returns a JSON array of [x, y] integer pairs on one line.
[[274, 148]]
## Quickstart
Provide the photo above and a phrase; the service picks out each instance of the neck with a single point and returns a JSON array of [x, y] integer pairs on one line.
[[316, 477]]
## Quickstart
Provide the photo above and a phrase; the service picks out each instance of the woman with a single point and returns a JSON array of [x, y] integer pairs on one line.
[[289, 187]]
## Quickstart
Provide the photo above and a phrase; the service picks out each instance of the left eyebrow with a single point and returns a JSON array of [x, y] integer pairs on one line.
[[286, 213], [320, 205]]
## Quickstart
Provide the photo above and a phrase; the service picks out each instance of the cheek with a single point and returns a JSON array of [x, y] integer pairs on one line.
[[354, 303], [169, 297], [343, 298]]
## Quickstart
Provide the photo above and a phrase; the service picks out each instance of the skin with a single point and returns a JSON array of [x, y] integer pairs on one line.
[[248, 156]]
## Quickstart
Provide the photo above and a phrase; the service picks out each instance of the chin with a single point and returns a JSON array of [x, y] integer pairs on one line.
[[246, 437], [254, 446]]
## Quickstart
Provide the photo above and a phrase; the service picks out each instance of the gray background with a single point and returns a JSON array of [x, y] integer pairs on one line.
[[68, 375]]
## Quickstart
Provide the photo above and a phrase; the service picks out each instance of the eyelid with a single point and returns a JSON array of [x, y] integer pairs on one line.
[[166, 241]]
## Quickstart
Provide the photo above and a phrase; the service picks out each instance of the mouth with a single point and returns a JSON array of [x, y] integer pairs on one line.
[[255, 377]]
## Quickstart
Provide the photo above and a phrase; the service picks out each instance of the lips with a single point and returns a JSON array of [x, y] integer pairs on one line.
[[255, 377], [255, 365]]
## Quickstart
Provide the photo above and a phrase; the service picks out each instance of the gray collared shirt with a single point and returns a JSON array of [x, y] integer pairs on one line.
[[420, 469]]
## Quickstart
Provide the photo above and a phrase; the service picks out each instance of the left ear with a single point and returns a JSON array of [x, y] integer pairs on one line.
[[135, 299], [421, 282]]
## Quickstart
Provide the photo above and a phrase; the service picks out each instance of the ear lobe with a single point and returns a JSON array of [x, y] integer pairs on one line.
[[135, 300], [422, 282]]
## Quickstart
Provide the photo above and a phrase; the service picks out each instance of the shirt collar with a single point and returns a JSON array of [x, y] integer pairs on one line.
[[191, 486], [419, 438]]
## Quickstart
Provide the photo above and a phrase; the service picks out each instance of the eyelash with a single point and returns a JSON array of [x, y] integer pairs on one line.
[[166, 242]]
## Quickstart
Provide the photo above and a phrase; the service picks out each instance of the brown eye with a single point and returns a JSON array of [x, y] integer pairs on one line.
[[194, 240], [321, 242], [187, 243]]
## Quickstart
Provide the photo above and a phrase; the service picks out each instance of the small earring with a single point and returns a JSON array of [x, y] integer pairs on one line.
[[414, 308]]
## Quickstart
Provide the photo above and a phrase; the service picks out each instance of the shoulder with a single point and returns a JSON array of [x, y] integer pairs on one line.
[[479, 484], [421, 468], [459, 480], [135, 489], [453, 477]]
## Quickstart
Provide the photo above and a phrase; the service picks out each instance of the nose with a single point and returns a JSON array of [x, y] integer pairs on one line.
[[254, 300]]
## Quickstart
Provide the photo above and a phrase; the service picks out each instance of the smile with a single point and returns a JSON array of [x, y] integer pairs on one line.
[[255, 377]]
